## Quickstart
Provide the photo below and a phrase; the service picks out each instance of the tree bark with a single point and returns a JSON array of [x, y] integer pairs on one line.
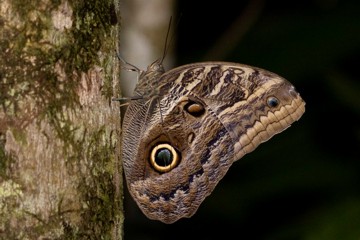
[[60, 170]]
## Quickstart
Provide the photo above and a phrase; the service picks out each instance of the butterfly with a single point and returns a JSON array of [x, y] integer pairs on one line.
[[185, 127]]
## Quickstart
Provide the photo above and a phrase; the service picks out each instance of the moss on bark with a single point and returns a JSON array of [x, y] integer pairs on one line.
[[59, 172]]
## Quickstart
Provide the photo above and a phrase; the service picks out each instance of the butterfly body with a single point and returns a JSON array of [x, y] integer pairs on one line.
[[188, 126]]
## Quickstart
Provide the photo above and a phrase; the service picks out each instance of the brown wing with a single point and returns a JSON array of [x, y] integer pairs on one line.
[[211, 114]]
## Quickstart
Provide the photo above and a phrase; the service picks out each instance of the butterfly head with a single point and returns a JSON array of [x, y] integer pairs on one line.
[[154, 70], [148, 80]]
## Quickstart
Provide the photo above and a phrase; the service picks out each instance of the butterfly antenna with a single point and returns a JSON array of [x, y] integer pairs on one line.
[[169, 38], [166, 47]]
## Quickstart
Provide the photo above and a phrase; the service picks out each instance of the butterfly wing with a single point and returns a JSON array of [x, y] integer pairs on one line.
[[242, 98], [207, 116]]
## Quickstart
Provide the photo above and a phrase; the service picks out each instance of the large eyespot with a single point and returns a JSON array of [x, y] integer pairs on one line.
[[272, 102], [195, 109], [163, 157]]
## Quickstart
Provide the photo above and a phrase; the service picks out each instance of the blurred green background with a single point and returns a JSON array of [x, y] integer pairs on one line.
[[305, 182]]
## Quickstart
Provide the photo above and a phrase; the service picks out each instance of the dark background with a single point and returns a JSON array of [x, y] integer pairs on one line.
[[305, 182]]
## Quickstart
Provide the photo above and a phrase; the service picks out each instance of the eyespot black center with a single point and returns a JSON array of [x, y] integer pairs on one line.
[[273, 102], [164, 157], [195, 109]]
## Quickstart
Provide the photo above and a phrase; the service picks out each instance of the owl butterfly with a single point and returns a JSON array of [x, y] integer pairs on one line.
[[184, 128]]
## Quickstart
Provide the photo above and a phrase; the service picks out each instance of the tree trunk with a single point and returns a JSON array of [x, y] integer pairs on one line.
[[60, 171]]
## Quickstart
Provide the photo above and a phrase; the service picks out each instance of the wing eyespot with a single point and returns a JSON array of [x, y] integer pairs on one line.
[[272, 102], [194, 108], [191, 137], [164, 157]]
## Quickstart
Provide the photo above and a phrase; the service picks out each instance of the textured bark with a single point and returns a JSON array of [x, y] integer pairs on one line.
[[60, 171]]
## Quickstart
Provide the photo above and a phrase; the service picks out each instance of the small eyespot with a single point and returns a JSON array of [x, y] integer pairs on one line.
[[164, 157], [272, 102], [191, 137], [195, 109]]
